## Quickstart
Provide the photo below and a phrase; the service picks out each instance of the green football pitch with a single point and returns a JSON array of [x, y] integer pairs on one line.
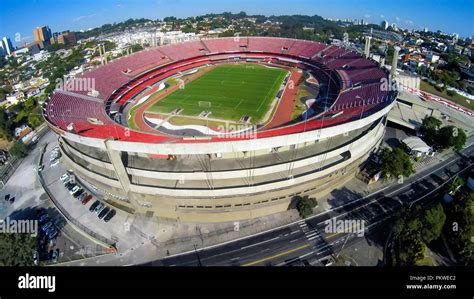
[[228, 91]]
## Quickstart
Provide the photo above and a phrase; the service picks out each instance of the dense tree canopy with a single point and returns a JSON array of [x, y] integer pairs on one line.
[[17, 249]]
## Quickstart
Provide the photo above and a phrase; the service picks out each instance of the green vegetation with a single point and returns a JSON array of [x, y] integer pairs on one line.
[[454, 185], [442, 137], [232, 91], [27, 112], [19, 149], [413, 229], [459, 227], [131, 122], [299, 107], [17, 249], [305, 205], [456, 98], [451, 136], [395, 163]]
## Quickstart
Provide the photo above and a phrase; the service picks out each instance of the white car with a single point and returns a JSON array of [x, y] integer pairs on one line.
[[56, 162], [74, 190], [64, 177]]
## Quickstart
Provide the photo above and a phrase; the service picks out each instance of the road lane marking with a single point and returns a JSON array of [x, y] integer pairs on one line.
[[259, 243], [276, 255], [428, 173]]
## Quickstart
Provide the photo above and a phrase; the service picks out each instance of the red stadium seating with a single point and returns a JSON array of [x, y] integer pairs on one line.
[[123, 79]]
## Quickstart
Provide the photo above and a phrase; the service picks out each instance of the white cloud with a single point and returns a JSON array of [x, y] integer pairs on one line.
[[397, 19], [120, 5], [382, 16], [409, 22], [80, 18], [367, 16]]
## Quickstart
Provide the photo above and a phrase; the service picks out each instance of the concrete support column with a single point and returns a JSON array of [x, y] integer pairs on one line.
[[367, 46], [393, 71], [101, 55], [122, 174], [105, 56]]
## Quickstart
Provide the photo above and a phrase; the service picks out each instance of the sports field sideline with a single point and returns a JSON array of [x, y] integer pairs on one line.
[[228, 91]]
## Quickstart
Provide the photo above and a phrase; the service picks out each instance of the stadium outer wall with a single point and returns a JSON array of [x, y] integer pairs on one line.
[[224, 195]]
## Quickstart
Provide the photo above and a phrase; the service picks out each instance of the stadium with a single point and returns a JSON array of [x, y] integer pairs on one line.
[[222, 129]]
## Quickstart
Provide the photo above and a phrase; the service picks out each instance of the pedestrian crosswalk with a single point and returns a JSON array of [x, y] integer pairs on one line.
[[309, 233]]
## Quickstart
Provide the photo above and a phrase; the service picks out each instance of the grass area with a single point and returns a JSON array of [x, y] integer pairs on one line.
[[426, 261], [299, 107], [231, 90], [132, 111], [456, 98]]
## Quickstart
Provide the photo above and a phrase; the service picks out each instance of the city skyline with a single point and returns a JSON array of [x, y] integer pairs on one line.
[[20, 30]]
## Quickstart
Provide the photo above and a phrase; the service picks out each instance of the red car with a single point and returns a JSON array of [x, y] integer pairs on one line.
[[87, 199]]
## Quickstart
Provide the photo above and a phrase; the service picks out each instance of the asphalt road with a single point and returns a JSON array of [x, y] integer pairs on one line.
[[307, 239]]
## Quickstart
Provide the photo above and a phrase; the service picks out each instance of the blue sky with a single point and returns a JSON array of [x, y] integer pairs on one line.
[[19, 18]]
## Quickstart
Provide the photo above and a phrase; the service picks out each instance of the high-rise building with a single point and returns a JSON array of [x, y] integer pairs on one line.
[[7, 46], [42, 34], [54, 38], [67, 38], [384, 25]]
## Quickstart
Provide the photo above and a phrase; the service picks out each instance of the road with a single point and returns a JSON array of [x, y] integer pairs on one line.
[[307, 240]]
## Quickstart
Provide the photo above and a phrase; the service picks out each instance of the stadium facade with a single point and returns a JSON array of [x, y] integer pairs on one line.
[[199, 177]]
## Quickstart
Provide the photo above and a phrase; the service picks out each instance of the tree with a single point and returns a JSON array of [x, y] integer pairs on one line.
[[459, 227], [19, 149], [305, 205], [454, 185], [451, 136], [17, 249], [429, 128], [35, 120], [396, 163], [433, 222]]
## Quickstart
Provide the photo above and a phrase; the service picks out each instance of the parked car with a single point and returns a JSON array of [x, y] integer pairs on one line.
[[103, 212], [109, 215], [35, 257], [74, 190], [54, 257], [46, 226], [64, 177], [52, 234], [94, 205], [43, 218], [82, 196], [99, 208], [87, 199], [7, 197], [78, 193], [56, 162], [72, 186], [12, 199]]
